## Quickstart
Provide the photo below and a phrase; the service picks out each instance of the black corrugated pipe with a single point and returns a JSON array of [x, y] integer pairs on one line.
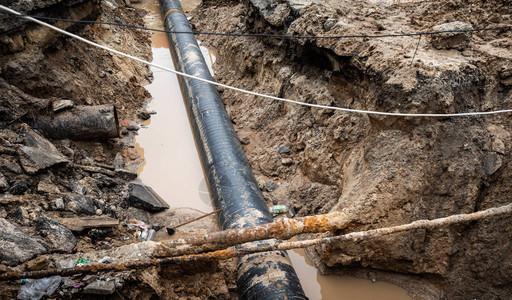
[[228, 173]]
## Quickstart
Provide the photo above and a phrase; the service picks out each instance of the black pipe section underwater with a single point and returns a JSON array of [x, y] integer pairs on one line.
[[230, 179]]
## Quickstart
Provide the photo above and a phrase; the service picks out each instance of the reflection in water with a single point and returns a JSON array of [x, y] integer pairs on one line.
[[333, 287], [171, 167]]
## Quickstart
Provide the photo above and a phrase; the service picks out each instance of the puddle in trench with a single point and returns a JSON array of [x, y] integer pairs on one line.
[[334, 287], [172, 168]]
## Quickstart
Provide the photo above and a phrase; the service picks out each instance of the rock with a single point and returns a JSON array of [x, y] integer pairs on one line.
[[287, 161], [37, 153], [21, 216], [492, 162], [451, 40], [79, 204], [132, 127], [144, 115], [329, 24], [19, 187], [16, 246], [59, 204], [59, 238], [85, 186], [118, 161], [66, 263], [245, 141], [284, 150], [135, 213], [271, 186], [100, 287], [144, 197], [46, 186], [8, 163], [37, 264], [62, 104], [125, 174], [4, 185]]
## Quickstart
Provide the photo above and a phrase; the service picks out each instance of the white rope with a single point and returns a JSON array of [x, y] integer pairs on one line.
[[360, 111]]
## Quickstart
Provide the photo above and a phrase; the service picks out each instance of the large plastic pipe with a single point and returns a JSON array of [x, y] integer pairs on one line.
[[230, 179]]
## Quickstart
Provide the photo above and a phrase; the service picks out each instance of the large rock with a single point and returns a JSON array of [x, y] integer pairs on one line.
[[452, 40], [37, 153], [58, 237], [144, 197], [79, 204], [16, 246]]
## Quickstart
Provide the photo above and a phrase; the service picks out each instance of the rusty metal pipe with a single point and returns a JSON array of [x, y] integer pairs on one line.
[[243, 251]]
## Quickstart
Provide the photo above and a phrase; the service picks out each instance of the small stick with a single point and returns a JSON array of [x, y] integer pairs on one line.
[[171, 230]]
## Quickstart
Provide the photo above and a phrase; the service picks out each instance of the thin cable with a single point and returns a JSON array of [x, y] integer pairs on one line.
[[251, 92], [267, 35]]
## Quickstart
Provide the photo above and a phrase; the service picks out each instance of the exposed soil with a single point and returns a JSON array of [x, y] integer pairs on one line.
[[82, 178], [382, 170]]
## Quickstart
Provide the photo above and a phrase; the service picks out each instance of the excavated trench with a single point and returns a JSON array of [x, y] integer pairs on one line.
[[383, 170], [171, 166]]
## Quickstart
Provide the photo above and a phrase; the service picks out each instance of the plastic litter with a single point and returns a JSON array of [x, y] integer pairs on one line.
[[104, 245], [81, 261], [78, 284], [278, 209], [37, 289], [144, 234], [150, 235], [105, 260]]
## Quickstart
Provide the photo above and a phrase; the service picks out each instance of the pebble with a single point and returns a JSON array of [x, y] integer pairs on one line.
[[59, 204], [284, 150], [287, 161]]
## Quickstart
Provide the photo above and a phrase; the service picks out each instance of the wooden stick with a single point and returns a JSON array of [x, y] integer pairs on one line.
[[198, 218]]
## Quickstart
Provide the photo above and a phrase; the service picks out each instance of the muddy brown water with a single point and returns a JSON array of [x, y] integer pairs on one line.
[[172, 168]]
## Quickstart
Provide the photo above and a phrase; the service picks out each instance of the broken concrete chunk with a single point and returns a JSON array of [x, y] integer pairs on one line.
[[144, 197], [37, 153], [16, 246], [62, 104], [79, 204], [4, 185], [454, 39], [100, 287], [59, 238]]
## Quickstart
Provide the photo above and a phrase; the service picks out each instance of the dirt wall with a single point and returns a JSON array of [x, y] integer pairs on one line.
[[382, 170]]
